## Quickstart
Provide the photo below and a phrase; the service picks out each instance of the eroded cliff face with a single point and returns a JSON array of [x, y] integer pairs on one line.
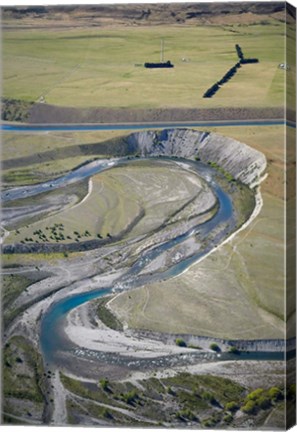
[[241, 161]]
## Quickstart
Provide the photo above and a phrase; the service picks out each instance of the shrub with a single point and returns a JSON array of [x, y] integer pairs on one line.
[[207, 396], [214, 347], [106, 414], [254, 395], [228, 418], [231, 406], [275, 393], [208, 423], [104, 384], [185, 414], [130, 397], [233, 350], [249, 407], [180, 342], [263, 402], [212, 421]]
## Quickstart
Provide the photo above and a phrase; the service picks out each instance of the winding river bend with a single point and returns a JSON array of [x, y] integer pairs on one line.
[[131, 279], [215, 230]]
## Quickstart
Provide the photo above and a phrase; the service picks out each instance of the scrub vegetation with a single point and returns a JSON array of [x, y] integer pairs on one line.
[[13, 285], [24, 385], [106, 316], [184, 399]]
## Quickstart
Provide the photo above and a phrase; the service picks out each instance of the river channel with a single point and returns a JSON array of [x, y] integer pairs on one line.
[[53, 341]]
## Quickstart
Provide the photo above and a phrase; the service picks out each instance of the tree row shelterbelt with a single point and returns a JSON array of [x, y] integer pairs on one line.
[[231, 72]]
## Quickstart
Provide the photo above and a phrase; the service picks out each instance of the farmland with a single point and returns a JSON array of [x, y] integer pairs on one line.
[[104, 67]]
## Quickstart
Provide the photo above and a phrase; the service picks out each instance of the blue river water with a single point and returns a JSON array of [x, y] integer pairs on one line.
[[83, 172], [53, 340]]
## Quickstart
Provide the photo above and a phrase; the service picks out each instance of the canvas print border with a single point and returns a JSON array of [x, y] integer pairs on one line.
[[148, 220]]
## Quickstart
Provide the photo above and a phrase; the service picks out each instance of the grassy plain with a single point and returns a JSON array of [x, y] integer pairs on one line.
[[18, 260], [25, 145], [103, 67], [237, 291], [33, 158], [115, 200]]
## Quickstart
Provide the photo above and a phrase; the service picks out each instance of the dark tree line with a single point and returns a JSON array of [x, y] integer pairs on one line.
[[249, 60], [241, 57], [167, 64], [239, 52], [231, 72], [228, 75]]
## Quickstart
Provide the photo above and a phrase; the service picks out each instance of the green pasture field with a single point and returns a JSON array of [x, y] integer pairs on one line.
[[18, 260], [33, 158], [104, 67], [25, 145]]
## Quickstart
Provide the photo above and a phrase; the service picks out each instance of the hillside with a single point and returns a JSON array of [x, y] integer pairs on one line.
[[143, 14]]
